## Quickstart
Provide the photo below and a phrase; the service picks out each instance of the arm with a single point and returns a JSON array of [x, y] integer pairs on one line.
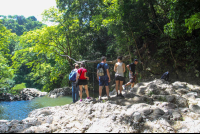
[[128, 68], [86, 76], [97, 76], [77, 76], [108, 75], [115, 68]]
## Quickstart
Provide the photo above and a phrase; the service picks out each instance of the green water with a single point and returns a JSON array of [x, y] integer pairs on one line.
[[19, 110]]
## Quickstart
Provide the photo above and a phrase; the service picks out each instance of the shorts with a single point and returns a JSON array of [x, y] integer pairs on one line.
[[103, 81], [120, 78], [132, 80], [82, 82]]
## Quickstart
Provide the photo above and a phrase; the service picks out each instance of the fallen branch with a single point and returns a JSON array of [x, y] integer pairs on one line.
[[96, 61]]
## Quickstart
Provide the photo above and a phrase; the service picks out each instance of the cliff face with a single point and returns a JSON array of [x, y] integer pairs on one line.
[[154, 106]]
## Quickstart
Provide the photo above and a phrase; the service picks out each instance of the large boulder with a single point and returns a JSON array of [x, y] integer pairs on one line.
[[60, 92]]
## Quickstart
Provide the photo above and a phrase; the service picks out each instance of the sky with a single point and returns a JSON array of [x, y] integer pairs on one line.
[[25, 7]]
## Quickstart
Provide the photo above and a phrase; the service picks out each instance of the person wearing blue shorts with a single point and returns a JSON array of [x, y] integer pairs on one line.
[[105, 79]]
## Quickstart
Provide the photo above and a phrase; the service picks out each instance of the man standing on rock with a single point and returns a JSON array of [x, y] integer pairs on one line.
[[103, 76], [132, 75], [75, 89]]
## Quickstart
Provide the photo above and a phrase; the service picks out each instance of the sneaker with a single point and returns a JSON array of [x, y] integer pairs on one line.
[[81, 100], [100, 98], [121, 95], [88, 98], [123, 87]]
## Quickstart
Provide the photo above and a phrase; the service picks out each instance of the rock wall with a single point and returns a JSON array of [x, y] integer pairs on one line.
[[60, 92], [25, 94], [149, 107]]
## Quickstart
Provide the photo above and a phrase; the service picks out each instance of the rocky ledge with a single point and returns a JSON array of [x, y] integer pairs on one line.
[[149, 107], [60, 92], [25, 94]]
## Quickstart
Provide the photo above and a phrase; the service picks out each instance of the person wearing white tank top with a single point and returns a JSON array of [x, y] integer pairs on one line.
[[119, 69]]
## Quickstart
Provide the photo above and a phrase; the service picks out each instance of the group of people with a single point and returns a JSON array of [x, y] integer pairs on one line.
[[104, 80]]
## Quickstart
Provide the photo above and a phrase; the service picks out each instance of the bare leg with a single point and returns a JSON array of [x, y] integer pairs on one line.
[[80, 92], [107, 90], [128, 84], [100, 90], [117, 86], [86, 90], [132, 85], [120, 86]]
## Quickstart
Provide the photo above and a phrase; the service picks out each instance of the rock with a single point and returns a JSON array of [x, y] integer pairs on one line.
[[4, 128], [182, 91], [179, 84], [175, 114], [195, 108], [137, 117], [168, 105], [157, 112], [154, 106], [60, 92], [180, 101], [25, 94]]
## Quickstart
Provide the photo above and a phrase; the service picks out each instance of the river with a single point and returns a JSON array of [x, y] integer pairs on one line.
[[19, 110]]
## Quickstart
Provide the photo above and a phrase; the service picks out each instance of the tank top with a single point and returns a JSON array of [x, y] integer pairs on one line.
[[119, 69]]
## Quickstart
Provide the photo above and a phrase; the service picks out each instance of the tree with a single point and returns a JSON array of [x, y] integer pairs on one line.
[[6, 72]]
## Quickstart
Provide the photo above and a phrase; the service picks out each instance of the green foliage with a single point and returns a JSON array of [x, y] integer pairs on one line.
[[20, 24], [17, 88], [193, 22], [6, 72]]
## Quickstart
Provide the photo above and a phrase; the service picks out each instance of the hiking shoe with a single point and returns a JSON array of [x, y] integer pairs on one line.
[[100, 98], [121, 95], [108, 97], [117, 95], [88, 98], [81, 100], [123, 87]]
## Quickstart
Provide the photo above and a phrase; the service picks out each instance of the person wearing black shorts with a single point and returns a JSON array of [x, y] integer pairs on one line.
[[83, 81], [132, 75], [119, 68]]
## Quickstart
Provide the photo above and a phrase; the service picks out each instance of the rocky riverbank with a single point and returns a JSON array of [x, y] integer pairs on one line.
[[155, 106], [25, 94], [60, 92]]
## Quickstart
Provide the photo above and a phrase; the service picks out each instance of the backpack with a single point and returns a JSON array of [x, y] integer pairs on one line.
[[101, 70], [72, 76]]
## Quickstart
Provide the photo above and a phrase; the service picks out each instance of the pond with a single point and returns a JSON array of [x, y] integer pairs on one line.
[[19, 110]]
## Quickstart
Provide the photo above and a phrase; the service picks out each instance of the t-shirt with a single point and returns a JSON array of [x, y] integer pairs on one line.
[[82, 77], [105, 68], [132, 68]]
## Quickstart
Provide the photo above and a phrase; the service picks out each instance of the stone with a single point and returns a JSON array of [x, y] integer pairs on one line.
[[180, 101], [157, 112], [168, 105], [4, 128], [179, 84], [137, 117], [195, 108]]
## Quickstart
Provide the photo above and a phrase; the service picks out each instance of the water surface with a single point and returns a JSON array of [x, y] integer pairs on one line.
[[19, 110]]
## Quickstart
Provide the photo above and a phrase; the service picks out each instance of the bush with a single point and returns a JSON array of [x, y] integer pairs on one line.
[[17, 88]]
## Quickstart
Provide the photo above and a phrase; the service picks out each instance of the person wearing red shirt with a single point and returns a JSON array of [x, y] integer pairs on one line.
[[83, 81]]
